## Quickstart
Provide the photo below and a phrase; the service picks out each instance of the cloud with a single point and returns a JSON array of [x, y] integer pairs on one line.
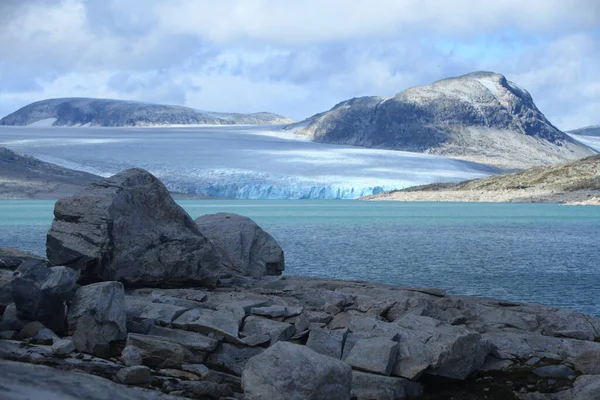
[[294, 57]]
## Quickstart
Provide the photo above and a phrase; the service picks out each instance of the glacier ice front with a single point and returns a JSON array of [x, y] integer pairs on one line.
[[238, 162]]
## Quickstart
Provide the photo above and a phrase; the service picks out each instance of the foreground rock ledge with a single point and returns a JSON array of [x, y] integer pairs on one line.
[[424, 339]]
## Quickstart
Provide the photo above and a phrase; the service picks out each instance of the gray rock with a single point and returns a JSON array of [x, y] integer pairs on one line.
[[275, 329], [253, 251], [327, 342], [136, 375], [367, 386], [289, 371], [494, 364], [141, 308], [588, 363], [232, 358], [131, 356], [222, 322], [30, 330], [256, 340], [45, 336], [157, 352], [376, 355], [96, 317], [198, 369], [273, 311], [203, 390], [63, 346], [40, 293], [179, 374], [533, 361], [553, 371], [20, 381], [128, 228], [193, 341]]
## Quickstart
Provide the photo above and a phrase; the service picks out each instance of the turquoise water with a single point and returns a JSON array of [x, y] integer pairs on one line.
[[542, 253]]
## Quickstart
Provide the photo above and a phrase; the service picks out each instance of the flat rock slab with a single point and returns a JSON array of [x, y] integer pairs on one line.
[[275, 329], [156, 352], [376, 355], [191, 340], [273, 311], [21, 381], [222, 322], [143, 308]]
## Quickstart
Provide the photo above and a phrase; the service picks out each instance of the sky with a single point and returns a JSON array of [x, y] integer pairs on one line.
[[296, 58]]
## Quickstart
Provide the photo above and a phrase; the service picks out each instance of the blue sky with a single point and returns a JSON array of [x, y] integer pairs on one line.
[[296, 58]]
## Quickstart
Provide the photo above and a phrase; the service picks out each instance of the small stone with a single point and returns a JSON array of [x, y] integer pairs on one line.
[[63, 346], [553, 371], [293, 311], [136, 375], [533, 361], [198, 369], [30, 330], [551, 382], [131, 356], [44, 336]]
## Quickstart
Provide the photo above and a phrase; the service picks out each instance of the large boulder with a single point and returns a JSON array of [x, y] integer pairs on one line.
[[40, 293], [251, 250], [127, 228], [97, 317], [289, 371]]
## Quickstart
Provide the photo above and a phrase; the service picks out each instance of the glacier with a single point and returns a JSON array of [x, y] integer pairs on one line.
[[244, 162]]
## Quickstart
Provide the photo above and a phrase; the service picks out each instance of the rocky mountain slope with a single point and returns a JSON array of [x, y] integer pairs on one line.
[[575, 182], [107, 112], [25, 177], [480, 117]]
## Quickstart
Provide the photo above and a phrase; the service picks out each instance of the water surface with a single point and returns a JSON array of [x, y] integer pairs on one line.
[[542, 253]]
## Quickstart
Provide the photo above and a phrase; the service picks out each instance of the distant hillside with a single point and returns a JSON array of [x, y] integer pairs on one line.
[[480, 117], [574, 182], [106, 112], [593, 130], [25, 177]]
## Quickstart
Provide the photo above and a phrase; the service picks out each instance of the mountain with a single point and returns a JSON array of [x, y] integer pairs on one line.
[[24, 177], [593, 130], [574, 182], [107, 112], [480, 116]]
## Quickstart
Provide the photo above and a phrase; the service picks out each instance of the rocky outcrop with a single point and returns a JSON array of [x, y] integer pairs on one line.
[[289, 371], [480, 117], [108, 112], [26, 177], [96, 317], [252, 251], [127, 228]]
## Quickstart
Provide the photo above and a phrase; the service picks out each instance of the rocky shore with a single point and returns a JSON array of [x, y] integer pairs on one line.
[[138, 301]]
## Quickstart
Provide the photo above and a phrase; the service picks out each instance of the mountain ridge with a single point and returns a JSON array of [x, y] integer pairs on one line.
[[72, 111], [480, 117]]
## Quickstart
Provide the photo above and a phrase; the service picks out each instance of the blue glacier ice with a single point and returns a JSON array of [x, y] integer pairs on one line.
[[245, 162]]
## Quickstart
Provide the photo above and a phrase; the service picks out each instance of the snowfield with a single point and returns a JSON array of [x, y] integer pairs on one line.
[[246, 162]]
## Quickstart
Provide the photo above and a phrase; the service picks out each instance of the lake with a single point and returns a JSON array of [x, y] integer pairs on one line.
[[543, 253]]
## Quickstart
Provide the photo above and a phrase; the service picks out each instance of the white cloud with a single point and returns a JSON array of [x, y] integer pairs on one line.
[[296, 57]]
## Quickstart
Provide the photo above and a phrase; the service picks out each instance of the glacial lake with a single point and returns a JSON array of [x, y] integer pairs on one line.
[[542, 253]]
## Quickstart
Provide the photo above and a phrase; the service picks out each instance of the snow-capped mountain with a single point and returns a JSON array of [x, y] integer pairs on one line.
[[107, 112], [239, 162], [480, 117]]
